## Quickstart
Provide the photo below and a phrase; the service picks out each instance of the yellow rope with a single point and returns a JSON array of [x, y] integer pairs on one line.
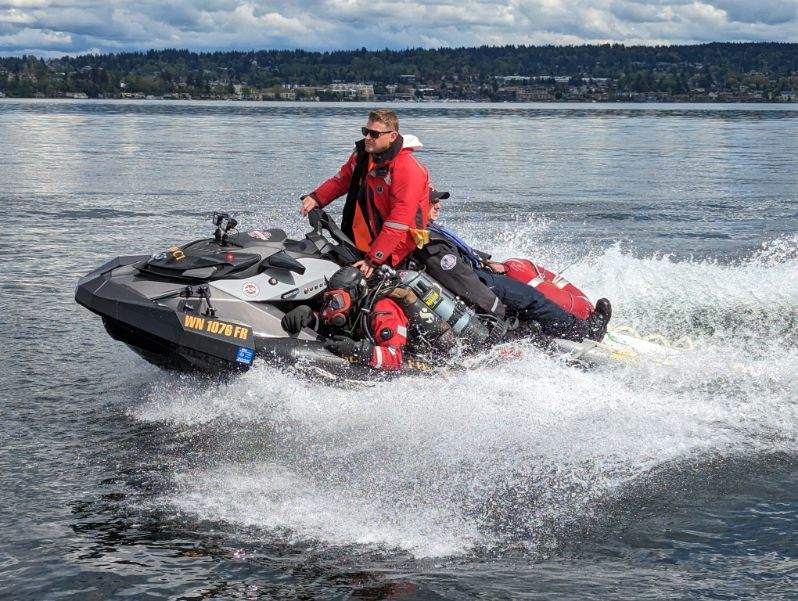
[[683, 343]]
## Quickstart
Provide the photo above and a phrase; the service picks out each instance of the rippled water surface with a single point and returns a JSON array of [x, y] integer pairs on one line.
[[530, 479]]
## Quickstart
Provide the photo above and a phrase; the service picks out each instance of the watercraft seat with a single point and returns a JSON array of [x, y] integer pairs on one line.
[[305, 247], [208, 266]]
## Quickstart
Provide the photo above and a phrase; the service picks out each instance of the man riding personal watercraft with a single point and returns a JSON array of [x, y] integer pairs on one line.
[[495, 287], [386, 194]]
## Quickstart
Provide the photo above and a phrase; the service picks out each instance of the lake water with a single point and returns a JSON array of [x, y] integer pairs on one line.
[[533, 479]]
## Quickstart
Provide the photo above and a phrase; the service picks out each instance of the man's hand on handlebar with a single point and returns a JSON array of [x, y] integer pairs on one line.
[[308, 204], [365, 267]]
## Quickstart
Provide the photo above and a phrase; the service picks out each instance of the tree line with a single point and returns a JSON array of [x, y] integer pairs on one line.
[[453, 71]]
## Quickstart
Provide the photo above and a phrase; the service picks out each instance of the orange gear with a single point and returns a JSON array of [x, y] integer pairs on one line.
[[551, 285]]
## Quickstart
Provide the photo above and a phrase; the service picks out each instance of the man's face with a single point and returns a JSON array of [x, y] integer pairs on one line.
[[381, 144], [434, 211]]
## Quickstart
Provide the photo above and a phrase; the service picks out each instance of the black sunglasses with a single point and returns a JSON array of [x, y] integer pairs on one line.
[[373, 133]]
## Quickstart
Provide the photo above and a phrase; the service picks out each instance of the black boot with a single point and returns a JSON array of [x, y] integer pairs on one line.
[[604, 307], [599, 319]]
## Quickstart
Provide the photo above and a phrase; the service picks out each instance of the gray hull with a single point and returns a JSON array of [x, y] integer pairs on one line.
[[215, 307]]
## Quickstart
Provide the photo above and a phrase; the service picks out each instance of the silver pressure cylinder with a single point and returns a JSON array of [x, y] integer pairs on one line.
[[447, 306]]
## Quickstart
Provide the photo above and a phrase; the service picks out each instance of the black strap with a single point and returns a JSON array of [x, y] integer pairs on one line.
[[358, 193], [355, 188]]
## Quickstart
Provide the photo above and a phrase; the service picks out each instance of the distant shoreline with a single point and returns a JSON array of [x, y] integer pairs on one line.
[[421, 103], [762, 72]]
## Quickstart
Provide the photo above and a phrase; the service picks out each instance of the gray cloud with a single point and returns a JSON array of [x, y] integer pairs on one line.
[[768, 12], [77, 26]]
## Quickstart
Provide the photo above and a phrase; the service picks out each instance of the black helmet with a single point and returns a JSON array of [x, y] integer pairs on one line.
[[350, 279], [346, 289]]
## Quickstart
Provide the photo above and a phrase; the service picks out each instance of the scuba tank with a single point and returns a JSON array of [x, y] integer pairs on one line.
[[445, 305], [422, 322]]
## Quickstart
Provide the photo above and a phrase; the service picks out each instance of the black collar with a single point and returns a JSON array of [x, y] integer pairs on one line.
[[392, 151], [388, 155]]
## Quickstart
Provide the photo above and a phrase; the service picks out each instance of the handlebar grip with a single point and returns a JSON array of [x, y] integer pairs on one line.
[[314, 218]]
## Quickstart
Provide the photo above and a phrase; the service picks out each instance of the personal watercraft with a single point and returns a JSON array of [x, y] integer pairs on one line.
[[215, 304]]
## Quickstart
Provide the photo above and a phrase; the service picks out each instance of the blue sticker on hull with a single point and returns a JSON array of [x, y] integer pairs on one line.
[[245, 355]]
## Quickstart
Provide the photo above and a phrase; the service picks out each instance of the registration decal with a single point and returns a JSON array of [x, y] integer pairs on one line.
[[177, 253], [245, 355], [216, 327]]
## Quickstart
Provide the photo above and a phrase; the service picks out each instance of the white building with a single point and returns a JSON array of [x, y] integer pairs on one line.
[[352, 91]]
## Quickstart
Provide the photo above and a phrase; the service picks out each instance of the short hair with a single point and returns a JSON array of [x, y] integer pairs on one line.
[[385, 116]]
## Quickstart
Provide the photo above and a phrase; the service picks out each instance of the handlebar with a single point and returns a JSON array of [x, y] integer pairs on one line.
[[314, 218], [320, 220]]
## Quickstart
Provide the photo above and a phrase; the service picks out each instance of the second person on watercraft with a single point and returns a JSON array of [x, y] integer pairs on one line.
[[472, 275]]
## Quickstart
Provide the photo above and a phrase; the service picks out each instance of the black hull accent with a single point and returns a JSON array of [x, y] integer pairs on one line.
[[166, 355], [288, 352]]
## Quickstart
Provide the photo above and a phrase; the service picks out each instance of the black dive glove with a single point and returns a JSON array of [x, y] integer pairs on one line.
[[296, 319], [359, 352]]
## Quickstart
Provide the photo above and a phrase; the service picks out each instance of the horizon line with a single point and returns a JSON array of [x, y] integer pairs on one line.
[[50, 55]]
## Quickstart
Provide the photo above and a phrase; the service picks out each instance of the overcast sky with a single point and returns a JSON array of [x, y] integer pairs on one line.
[[56, 27]]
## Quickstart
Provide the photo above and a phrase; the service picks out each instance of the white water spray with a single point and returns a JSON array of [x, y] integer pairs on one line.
[[513, 454]]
